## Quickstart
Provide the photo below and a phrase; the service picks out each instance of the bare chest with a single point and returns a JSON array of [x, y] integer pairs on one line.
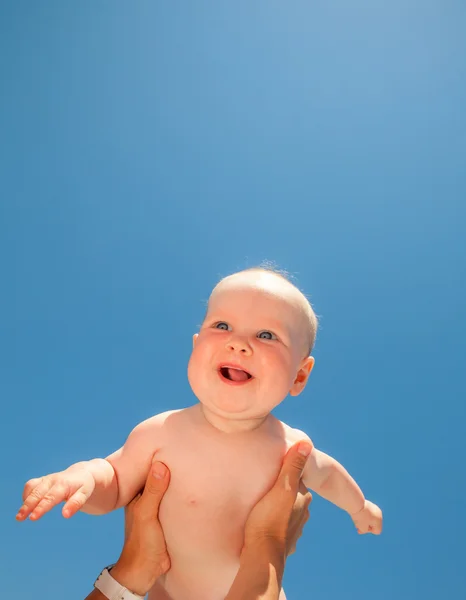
[[215, 481]]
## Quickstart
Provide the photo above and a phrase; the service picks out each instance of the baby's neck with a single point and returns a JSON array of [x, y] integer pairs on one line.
[[232, 426]]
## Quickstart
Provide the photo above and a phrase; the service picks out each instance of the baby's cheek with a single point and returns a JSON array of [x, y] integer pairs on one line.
[[195, 369]]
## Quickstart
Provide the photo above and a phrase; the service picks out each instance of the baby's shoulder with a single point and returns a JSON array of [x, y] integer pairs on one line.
[[293, 435], [155, 423]]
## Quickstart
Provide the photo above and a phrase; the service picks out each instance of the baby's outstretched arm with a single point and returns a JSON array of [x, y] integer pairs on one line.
[[331, 480], [74, 486], [328, 478], [96, 486]]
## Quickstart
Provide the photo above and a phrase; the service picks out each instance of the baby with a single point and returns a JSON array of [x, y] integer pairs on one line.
[[225, 452]]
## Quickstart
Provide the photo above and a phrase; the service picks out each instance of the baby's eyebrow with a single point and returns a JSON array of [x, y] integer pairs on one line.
[[215, 317], [275, 325]]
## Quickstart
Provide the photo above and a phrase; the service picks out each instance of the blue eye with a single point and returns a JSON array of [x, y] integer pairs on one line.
[[266, 335], [222, 325]]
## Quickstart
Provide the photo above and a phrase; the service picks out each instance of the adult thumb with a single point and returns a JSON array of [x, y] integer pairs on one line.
[[155, 488], [294, 462]]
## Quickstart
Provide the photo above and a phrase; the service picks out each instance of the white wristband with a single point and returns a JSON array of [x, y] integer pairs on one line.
[[113, 590]]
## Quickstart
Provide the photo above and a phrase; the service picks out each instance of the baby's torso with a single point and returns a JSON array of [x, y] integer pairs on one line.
[[216, 479]]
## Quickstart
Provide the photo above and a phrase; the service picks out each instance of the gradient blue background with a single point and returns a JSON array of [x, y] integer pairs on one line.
[[148, 148]]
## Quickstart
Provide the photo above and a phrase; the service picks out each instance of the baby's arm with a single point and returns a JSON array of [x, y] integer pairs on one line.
[[122, 474], [328, 478], [131, 463], [97, 486], [324, 475]]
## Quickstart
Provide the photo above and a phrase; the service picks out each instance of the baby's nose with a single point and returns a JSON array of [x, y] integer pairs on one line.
[[240, 345]]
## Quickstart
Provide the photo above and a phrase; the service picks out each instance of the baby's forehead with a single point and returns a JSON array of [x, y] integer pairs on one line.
[[268, 293], [257, 287]]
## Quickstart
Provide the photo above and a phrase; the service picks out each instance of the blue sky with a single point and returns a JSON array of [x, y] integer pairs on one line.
[[148, 149]]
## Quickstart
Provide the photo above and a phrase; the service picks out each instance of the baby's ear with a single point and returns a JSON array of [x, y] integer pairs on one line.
[[195, 336], [302, 376]]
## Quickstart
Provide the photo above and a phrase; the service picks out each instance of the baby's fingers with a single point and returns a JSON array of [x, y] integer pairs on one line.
[[76, 502], [56, 494], [376, 528], [34, 491], [30, 485]]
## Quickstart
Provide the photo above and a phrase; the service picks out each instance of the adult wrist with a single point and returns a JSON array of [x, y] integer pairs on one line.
[[260, 574], [132, 578]]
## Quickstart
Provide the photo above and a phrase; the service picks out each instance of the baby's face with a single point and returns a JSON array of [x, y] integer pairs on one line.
[[251, 349]]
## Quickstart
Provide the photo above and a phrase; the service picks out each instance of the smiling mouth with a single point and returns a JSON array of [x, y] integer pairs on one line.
[[235, 375]]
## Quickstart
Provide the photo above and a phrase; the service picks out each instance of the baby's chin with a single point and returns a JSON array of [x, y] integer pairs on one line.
[[230, 421], [229, 407], [227, 401], [233, 409]]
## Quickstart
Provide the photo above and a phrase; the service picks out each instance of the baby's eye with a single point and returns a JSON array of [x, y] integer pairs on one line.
[[266, 335], [222, 325]]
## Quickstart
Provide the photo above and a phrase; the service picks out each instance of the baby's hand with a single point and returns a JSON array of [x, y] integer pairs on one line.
[[368, 519], [73, 486]]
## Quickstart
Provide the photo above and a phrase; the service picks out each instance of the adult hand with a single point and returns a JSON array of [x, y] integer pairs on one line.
[[278, 518], [272, 529], [281, 514], [144, 557]]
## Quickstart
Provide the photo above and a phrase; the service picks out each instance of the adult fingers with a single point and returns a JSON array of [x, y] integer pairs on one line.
[[34, 496], [308, 503], [302, 503], [134, 501], [154, 490], [293, 465], [298, 518]]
